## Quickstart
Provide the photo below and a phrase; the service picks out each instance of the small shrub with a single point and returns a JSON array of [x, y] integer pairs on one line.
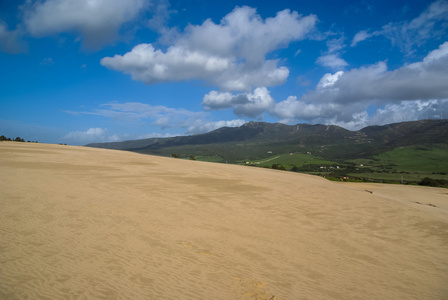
[[278, 167], [434, 182]]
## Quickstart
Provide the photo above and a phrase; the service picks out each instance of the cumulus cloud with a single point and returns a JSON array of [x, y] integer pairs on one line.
[[217, 100], [430, 24], [250, 105], [328, 80], [97, 21], [343, 97], [418, 81], [230, 55], [410, 111], [149, 65], [243, 33], [293, 109]]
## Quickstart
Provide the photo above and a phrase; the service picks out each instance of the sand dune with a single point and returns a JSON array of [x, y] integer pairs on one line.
[[82, 223]]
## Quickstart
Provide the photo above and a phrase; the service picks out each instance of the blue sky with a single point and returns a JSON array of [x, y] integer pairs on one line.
[[81, 71]]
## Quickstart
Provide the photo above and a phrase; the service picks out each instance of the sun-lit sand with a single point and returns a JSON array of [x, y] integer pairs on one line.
[[82, 223]]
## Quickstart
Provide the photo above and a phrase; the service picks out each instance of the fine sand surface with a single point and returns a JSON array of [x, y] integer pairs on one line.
[[83, 223]]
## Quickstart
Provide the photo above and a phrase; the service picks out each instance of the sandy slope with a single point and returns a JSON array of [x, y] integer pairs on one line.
[[80, 223]]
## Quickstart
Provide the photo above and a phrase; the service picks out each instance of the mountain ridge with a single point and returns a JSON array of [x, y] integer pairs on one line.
[[252, 139]]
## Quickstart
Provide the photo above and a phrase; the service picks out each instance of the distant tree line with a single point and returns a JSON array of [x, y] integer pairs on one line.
[[17, 139]]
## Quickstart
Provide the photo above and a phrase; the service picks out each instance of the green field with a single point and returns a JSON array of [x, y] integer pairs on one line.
[[290, 160], [409, 164], [432, 159], [397, 177], [405, 164]]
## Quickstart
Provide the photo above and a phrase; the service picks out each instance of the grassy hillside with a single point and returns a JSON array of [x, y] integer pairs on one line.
[[427, 159], [400, 152], [417, 158], [290, 160], [231, 152], [408, 165], [405, 164]]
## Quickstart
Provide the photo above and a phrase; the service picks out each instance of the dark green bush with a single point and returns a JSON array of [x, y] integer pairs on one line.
[[434, 182]]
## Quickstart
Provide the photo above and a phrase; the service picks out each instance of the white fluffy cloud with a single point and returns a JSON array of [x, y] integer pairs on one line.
[[218, 100], [328, 80], [244, 34], [414, 91], [410, 111], [230, 55], [97, 21], [146, 64], [344, 97], [249, 105], [406, 93], [407, 35], [292, 109], [418, 81]]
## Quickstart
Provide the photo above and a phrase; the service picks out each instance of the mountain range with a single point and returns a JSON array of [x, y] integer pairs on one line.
[[256, 140]]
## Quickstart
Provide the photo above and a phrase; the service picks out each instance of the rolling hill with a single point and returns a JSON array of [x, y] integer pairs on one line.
[[406, 152]]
